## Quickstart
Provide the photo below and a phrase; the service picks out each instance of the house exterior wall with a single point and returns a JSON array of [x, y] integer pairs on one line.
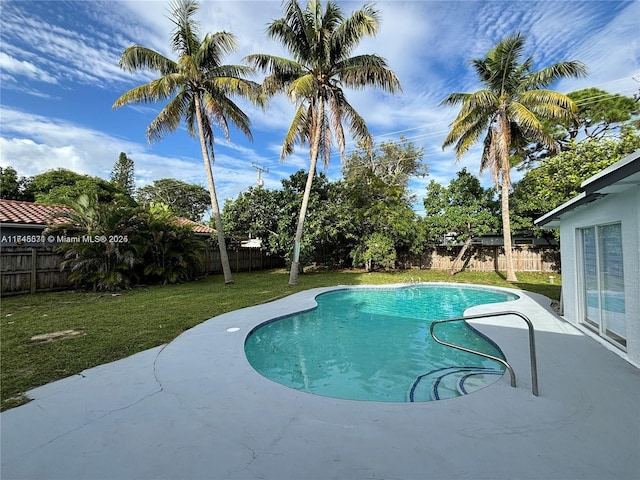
[[622, 207]]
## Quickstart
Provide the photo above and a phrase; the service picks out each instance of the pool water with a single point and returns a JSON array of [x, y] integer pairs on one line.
[[374, 344]]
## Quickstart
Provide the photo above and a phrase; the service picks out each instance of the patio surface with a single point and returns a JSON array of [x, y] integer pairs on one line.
[[195, 409]]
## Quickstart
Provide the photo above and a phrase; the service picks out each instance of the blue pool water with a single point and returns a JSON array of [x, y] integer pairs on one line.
[[374, 344]]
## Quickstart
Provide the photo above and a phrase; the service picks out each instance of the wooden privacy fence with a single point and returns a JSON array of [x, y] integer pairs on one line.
[[526, 258], [241, 260], [30, 270], [37, 269]]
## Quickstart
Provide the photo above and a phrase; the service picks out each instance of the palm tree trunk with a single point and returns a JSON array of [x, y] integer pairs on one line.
[[295, 263], [504, 139], [506, 225], [315, 147], [224, 257]]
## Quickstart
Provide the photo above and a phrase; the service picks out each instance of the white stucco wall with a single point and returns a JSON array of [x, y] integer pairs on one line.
[[624, 208]]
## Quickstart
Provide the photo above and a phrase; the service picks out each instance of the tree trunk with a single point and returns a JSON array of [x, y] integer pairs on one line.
[[315, 147], [506, 229], [295, 263], [505, 173], [463, 250], [224, 257]]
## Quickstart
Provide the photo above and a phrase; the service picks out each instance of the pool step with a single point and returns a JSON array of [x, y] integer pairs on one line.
[[477, 380], [450, 382]]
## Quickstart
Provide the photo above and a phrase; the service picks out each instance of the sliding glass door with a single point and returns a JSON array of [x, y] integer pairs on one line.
[[603, 281]]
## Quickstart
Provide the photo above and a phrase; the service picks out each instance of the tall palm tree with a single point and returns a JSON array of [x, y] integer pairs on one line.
[[510, 108], [198, 87], [321, 42]]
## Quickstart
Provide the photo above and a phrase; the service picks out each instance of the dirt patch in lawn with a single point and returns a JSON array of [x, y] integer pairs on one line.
[[54, 336]]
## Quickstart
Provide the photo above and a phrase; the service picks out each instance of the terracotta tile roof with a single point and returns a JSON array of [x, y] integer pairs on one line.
[[29, 213], [195, 226]]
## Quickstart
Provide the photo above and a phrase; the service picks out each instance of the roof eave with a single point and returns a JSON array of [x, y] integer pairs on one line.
[[552, 219]]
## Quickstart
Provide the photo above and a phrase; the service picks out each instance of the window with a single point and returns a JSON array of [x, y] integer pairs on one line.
[[603, 281]]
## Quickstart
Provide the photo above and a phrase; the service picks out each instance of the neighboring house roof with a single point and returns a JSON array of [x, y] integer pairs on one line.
[[613, 179], [30, 214], [14, 212], [196, 227]]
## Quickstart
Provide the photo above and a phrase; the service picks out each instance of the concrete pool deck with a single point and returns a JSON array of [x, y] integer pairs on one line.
[[195, 409]]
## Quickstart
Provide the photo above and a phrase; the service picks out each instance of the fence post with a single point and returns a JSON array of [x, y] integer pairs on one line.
[[34, 270]]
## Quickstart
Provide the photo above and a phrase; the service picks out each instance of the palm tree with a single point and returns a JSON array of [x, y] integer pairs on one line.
[[198, 87], [510, 107], [321, 42]]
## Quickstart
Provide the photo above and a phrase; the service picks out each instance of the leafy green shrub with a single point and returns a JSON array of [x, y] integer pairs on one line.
[[169, 252], [96, 243], [113, 246]]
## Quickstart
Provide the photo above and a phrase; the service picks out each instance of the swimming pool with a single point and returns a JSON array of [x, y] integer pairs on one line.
[[374, 344]]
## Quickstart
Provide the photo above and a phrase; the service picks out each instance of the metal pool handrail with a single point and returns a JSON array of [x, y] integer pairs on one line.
[[532, 345]]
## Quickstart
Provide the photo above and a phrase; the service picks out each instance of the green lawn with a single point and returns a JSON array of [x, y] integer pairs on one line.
[[116, 326]]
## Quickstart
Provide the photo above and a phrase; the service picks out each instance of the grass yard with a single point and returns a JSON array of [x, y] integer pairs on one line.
[[116, 326]]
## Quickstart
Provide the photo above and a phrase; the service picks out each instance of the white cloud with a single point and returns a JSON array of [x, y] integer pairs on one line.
[[61, 55], [22, 67], [33, 144]]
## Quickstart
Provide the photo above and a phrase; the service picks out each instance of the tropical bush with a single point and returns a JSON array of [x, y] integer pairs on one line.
[[97, 247], [110, 246], [168, 252]]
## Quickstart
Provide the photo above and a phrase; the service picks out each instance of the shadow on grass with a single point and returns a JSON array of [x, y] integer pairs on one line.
[[551, 291]]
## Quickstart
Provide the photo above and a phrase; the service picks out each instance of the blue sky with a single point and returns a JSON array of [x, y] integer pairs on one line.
[[59, 78]]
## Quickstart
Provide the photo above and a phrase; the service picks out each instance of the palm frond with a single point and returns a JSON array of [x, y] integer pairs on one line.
[[465, 132], [455, 99], [154, 91], [213, 113], [489, 160], [539, 98], [480, 101], [326, 137], [278, 66], [302, 88], [282, 71], [221, 109], [524, 117], [502, 62], [348, 33], [550, 75], [241, 72], [232, 85], [335, 104], [367, 71], [141, 58], [185, 34], [291, 31], [482, 70], [356, 123], [168, 119], [298, 131], [214, 48]]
